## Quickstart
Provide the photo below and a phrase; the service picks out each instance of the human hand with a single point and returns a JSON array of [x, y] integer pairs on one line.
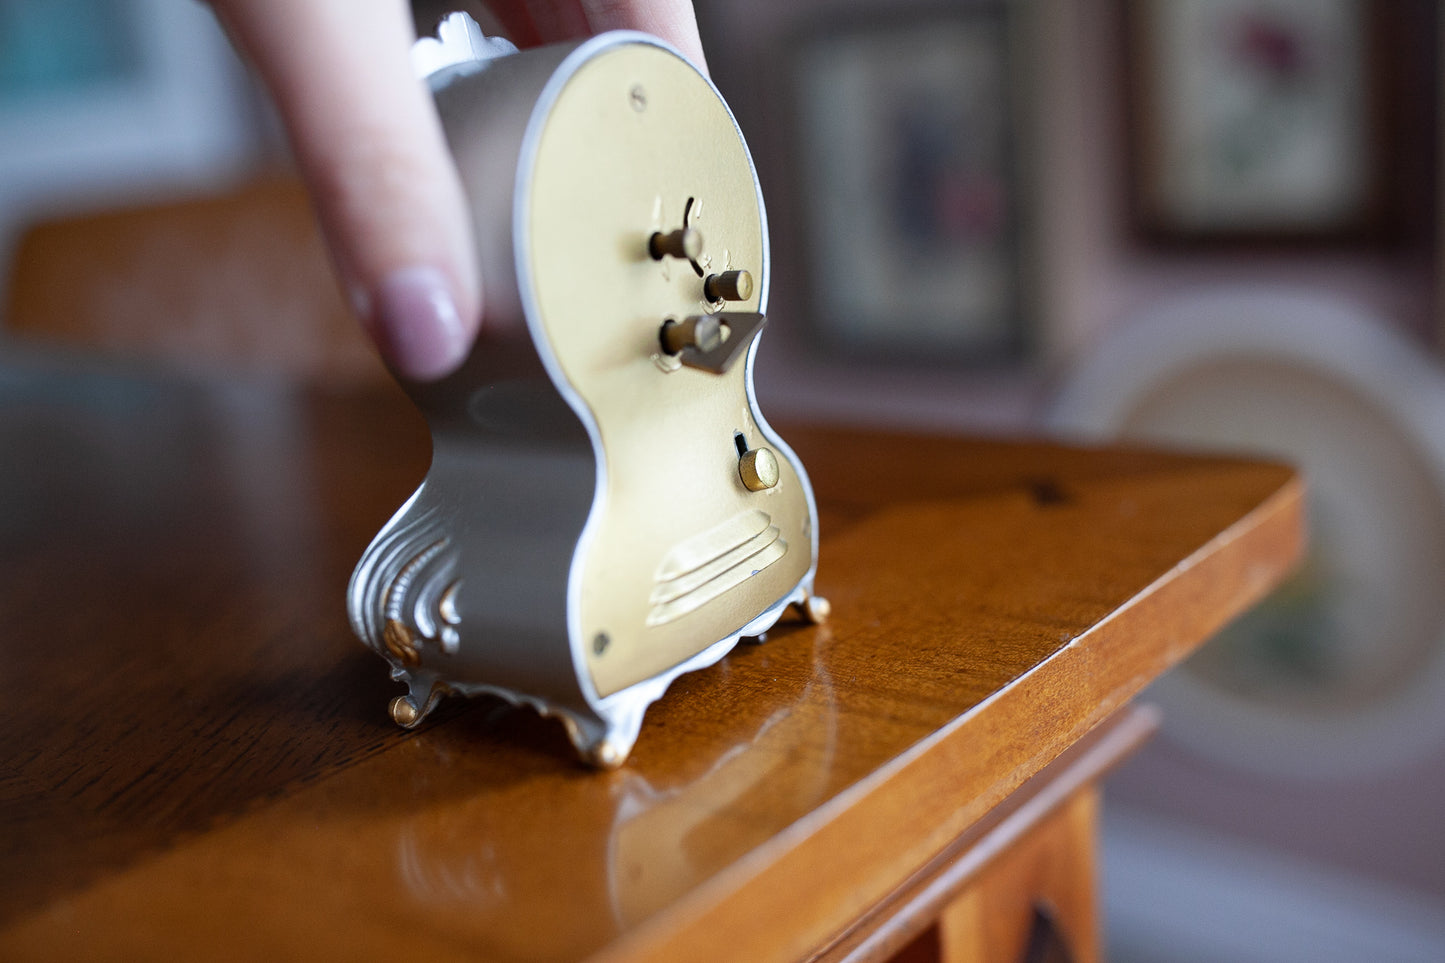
[[371, 149]]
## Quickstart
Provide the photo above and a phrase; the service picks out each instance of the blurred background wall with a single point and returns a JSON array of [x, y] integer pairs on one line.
[[1085, 263], [106, 102], [1207, 222]]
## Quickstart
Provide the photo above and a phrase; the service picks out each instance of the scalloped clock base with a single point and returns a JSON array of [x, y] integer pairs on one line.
[[605, 737]]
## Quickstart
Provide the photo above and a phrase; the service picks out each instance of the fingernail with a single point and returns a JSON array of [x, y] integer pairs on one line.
[[416, 324]]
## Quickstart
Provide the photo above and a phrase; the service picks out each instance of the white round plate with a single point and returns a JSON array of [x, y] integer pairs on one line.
[[1341, 672]]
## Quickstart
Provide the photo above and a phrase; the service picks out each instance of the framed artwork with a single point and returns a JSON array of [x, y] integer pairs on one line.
[[104, 98], [1256, 119], [909, 204]]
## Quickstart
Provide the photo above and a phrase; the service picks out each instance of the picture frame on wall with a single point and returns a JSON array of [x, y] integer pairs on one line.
[[1257, 120], [106, 100], [904, 144]]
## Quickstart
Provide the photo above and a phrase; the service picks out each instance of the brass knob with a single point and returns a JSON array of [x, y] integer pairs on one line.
[[759, 469], [683, 243], [404, 712], [728, 286], [703, 332]]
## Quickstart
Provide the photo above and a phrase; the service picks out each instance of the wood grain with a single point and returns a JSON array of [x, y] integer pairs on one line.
[[1051, 869], [176, 646], [199, 760], [913, 916]]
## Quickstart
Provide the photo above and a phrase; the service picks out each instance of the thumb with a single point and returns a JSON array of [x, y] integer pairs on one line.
[[372, 152]]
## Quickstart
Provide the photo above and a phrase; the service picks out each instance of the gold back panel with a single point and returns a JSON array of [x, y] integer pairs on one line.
[[682, 554]]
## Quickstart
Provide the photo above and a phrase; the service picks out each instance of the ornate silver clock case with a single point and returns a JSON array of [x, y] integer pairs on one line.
[[606, 507]]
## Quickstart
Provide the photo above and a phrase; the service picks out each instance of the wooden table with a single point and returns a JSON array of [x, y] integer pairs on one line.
[[198, 764]]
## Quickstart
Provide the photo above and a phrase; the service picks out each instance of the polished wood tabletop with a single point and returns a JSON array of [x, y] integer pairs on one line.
[[198, 761]]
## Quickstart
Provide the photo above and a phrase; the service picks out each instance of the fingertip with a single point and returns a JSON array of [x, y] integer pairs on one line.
[[673, 20], [371, 148], [418, 324]]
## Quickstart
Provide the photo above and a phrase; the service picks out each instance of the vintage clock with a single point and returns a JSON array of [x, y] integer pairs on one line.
[[606, 506]]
